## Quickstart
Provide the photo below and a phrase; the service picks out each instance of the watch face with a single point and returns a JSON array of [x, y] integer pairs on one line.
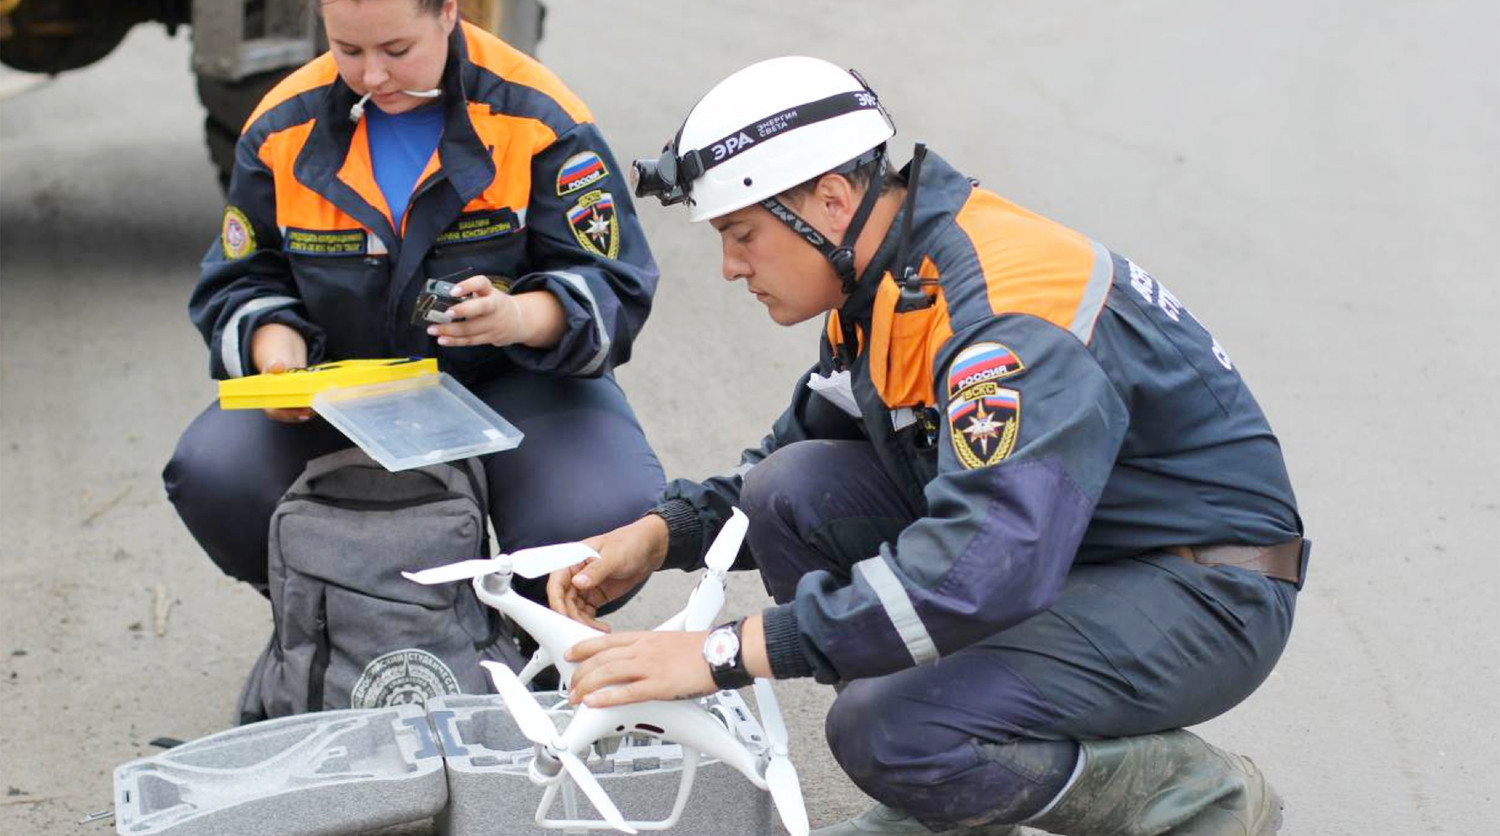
[[721, 647]]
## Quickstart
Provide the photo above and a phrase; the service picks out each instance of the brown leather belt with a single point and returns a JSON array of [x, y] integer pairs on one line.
[[1282, 561]]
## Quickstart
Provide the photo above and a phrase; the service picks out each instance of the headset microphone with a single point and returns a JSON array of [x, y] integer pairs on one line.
[[357, 111]]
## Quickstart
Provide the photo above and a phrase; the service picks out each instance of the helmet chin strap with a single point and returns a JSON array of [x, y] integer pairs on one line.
[[842, 256]]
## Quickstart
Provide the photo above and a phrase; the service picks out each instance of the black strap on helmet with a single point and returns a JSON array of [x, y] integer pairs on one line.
[[692, 165], [842, 256], [670, 177]]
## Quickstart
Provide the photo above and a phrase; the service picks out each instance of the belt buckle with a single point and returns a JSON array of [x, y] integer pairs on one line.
[[1302, 564]]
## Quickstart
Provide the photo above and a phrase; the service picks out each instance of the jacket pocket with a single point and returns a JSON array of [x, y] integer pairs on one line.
[[902, 343]]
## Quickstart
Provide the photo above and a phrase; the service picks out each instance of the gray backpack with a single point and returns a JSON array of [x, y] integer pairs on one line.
[[349, 631]]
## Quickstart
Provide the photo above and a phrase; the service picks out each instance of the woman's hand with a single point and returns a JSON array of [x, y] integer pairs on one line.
[[627, 557], [626, 668], [491, 317], [276, 348]]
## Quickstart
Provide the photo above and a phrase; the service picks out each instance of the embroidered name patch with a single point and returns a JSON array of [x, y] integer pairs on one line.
[[326, 241], [595, 225], [479, 226], [580, 172], [238, 236], [984, 418]]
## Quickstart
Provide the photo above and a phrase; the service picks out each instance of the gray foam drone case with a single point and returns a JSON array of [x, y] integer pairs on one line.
[[461, 759]]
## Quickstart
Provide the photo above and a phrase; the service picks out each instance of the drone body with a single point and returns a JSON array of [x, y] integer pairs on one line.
[[685, 722]]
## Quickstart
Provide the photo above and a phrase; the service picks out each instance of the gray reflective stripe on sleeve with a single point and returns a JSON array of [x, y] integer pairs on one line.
[[1092, 302], [229, 340], [899, 608], [582, 286]]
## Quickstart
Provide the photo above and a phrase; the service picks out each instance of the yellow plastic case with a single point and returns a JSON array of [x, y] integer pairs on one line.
[[297, 387]]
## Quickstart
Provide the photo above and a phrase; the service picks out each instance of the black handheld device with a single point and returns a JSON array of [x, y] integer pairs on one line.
[[437, 297]]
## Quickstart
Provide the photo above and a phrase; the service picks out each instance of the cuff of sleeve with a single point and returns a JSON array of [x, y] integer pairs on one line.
[[316, 344], [578, 352], [784, 644], [684, 534]]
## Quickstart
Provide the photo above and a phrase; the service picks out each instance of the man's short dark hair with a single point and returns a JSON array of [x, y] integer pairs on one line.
[[859, 177]]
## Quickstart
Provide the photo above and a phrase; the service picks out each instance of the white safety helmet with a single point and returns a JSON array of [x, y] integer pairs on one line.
[[763, 130]]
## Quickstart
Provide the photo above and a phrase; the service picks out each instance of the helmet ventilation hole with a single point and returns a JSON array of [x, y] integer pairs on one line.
[[748, 181]]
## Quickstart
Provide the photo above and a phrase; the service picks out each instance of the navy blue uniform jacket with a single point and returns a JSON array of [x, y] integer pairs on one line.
[[1054, 402], [522, 188]]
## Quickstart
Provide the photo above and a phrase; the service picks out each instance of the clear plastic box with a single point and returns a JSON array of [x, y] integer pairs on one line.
[[419, 421]]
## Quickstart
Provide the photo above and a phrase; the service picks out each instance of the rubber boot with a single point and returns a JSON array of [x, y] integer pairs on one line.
[[881, 819], [1172, 783]]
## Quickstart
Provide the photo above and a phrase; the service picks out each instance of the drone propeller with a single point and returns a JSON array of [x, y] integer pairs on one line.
[[528, 563], [781, 775], [537, 726], [708, 597]]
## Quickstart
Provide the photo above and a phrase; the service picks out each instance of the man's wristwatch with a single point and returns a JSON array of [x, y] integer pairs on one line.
[[726, 661]]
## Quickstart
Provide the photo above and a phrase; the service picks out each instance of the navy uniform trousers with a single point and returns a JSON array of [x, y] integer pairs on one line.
[[987, 733], [583, 468]]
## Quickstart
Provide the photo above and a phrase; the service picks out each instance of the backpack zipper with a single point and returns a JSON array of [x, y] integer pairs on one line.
[[372, 504], [317, 672]]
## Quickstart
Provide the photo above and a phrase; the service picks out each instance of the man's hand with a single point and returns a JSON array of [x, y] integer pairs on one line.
[[491, 317], [635, 667], [627, 557], [276, 348]]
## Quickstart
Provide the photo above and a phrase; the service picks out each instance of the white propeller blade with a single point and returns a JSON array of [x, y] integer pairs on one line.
[[538, 728], [528, 563], [673, 623], [460, 571], [726, 545], [704, 605], [708, 596], [781, 775], [544, 560], [529, 716]]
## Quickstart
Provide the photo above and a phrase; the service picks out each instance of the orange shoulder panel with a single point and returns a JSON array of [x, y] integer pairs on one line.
[[316, 73], [513, 65], [513, 141], [1031, 265], [296, 204]]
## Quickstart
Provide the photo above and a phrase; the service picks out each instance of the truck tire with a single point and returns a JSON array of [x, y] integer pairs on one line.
[[226, 105], [56, 35]]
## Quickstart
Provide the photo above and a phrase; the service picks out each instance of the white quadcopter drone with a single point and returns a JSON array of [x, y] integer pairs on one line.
[[685, 722]]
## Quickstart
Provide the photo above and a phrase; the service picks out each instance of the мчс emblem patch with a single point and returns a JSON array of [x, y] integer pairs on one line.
[[580, 172], [237, 236], [984, 417], [595, 225], [984, 420]]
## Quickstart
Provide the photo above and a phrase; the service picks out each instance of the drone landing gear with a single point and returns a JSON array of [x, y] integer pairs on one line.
[[649, 780]]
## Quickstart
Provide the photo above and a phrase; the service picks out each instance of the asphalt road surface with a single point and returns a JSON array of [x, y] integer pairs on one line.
[[1318, 181]]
